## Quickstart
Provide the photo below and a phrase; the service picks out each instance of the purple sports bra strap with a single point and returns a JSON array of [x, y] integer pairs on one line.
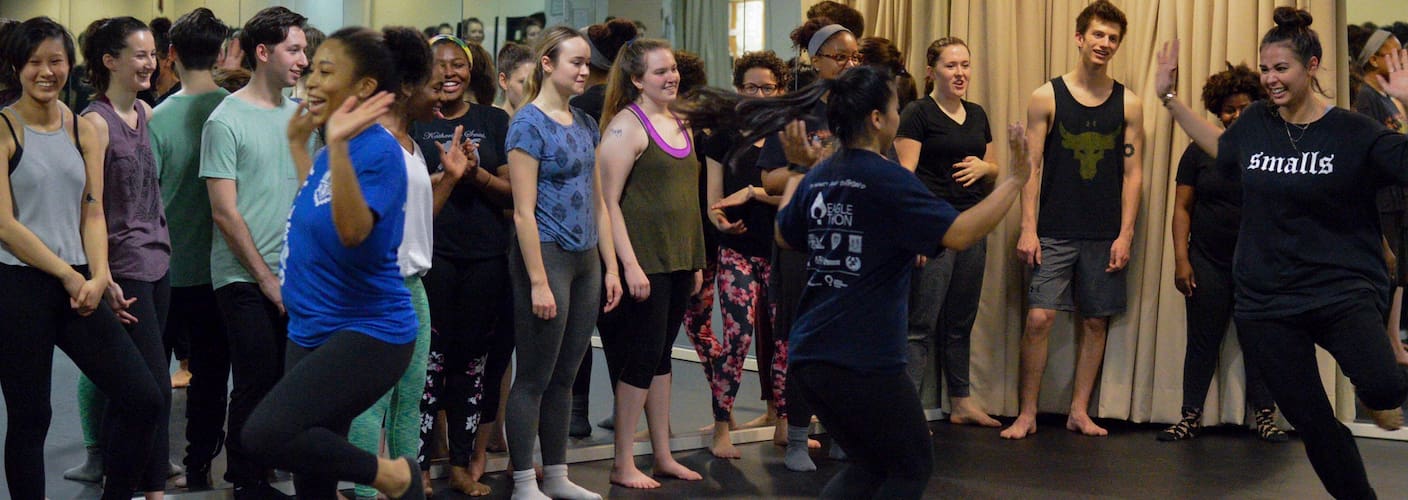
[[655, 135]]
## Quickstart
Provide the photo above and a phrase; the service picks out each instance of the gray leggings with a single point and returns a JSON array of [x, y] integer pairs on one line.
[[943, 304], [549, 351]]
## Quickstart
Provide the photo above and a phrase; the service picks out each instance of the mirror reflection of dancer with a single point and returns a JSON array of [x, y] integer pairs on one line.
[[54, 264], [1308, 267], [862, 219]]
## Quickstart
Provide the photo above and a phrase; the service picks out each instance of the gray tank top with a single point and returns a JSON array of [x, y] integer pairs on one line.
[[47, 188]]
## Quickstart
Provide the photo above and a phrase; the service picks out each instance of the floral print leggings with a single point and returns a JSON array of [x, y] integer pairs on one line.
[[747, 311]]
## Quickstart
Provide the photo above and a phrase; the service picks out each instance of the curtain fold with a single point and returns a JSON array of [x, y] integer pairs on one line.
[[704, 25], [1016, 46]]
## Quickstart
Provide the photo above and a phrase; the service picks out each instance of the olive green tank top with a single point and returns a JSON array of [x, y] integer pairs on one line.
[[660, 204]]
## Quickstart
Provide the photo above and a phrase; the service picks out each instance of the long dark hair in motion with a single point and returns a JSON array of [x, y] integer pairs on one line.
[[850, 99]]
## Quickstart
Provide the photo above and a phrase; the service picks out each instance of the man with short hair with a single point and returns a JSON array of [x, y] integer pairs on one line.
[[1078, 209], [252, 182]]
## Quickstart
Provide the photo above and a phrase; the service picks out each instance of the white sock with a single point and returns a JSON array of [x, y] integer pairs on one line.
[[556, 485], [525, 486]]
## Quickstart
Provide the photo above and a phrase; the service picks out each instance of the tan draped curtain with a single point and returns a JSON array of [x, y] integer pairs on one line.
[[1017, 45]]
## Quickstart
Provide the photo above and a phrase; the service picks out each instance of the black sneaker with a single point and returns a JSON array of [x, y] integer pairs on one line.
[[260, 491], [1186, 428]]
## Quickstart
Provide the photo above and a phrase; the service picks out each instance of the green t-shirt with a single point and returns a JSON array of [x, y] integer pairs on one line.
[[248, 144], [175, 131]]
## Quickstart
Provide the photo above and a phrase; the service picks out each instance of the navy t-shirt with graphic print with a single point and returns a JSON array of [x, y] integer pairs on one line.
[[1310, 232], [470, 226], [329, 287], [566, 157], [861, 219]]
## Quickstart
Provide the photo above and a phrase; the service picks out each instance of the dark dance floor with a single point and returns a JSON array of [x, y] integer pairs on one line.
[[970, 462]]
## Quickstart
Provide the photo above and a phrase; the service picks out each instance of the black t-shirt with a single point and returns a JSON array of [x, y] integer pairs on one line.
[[1310, 232], [1217, 205], [1082, 179], [470, 226], [756, 215], [944, 142], [591, 101], [1382, 109]]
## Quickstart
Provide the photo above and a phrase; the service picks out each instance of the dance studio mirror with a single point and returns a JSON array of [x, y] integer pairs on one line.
[[1364, 17]]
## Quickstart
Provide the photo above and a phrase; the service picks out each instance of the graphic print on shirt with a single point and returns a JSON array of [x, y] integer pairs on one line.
[[1309, 163], [445, 139], [324, 193], [1088, 147], [835, 244]]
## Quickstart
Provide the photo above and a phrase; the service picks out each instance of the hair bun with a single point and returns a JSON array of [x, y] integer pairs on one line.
[[1292, 18]]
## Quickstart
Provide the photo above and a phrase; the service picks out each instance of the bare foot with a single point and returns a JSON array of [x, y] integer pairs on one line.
[[967, 412], [182, 378], [676, 470], [763, 420], [462, 481], [476, 466], [1023, 427], [425, 482], [1084, 425], [723, 446], [779, 437], [632, 478], [1389, 420]]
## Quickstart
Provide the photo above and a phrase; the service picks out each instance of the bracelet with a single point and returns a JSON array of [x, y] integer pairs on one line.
[[1168, 97], [610, 273]]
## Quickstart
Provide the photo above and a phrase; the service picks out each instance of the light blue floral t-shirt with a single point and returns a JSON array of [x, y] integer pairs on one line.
[[566, 157]]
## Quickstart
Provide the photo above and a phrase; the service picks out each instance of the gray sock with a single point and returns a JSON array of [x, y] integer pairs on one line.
[[797, 457]]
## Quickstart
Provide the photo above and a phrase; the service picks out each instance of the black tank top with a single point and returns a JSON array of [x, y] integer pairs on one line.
[[1083, 168]]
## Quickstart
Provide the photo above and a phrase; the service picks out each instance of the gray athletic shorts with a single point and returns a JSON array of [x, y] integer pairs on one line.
[[1072, 277]]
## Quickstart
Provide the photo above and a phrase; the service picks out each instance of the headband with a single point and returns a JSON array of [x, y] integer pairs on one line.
[[599, 60], [457, 41], [1371, 47], [824, 34]]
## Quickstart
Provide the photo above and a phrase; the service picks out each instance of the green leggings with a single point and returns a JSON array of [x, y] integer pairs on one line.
[[91, 402], [399, 410]]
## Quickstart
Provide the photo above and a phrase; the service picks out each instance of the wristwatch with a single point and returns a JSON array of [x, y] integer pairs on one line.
[[1168, 97]]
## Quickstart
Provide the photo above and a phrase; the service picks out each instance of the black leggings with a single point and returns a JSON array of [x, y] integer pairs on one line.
[[470, 347], [301, 426], [877, 419], [256, 332], [153, 302], [1284, 349], [36, 317], [789, 278], [1209, 311], [638, 337]]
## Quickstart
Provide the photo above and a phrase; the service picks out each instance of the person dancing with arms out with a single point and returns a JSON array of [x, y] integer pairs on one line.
[[1308, 268], [848, 346], [351, 322], [1087, 136]]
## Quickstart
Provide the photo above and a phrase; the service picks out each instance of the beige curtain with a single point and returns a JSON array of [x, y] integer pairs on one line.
[[1019, 44]]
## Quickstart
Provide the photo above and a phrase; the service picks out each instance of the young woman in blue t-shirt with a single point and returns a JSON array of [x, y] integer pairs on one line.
[[352, 328], [556, 262], [861, 219]]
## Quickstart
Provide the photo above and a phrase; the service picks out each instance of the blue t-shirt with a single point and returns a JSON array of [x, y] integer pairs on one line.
[[328, 287], [566, 155], [861, 219]]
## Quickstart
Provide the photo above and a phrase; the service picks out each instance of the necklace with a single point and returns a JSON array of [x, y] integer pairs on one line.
[[1295, 141]]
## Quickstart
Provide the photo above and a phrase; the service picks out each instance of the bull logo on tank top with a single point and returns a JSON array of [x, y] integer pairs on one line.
[[1088, 148]]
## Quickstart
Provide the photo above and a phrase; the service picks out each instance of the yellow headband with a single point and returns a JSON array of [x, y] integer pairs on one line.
[[457, 41]]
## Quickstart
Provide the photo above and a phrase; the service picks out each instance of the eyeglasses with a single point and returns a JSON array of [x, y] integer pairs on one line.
[[842, 58], [752, 89]]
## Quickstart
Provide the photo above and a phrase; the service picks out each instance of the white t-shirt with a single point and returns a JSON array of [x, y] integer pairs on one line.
[[418, 241]]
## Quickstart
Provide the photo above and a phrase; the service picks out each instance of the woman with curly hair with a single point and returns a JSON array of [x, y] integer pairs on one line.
[[1206, 211]]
